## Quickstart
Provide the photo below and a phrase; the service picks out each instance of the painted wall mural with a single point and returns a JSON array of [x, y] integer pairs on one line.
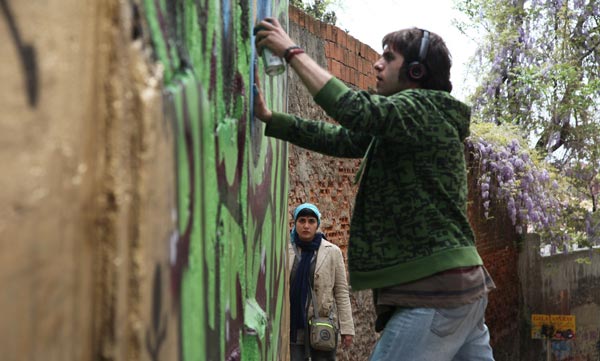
[[227, 255]]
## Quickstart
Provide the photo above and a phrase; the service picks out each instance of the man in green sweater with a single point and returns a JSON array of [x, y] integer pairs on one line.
[[410, 239]]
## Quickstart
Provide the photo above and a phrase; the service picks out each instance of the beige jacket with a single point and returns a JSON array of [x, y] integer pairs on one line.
[[330, 286]]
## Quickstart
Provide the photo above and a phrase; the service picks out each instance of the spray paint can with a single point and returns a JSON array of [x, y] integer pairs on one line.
[[273, 64]]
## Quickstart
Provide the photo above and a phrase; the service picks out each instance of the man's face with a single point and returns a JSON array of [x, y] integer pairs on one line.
[[389, 79], [306, 227]]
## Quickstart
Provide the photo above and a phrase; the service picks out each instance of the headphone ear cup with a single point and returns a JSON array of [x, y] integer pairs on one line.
[[416, 71]]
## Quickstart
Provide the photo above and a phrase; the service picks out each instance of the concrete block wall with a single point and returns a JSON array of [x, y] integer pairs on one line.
[[563, 284]]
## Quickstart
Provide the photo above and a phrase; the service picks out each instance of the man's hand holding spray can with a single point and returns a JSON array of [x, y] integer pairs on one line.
[[273, 64]]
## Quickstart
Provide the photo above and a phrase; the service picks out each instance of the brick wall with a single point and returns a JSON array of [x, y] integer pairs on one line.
[[346, 57], [496, 242], [328, 182]]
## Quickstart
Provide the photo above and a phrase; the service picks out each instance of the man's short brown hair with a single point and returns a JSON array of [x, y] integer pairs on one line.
[[437, 62]]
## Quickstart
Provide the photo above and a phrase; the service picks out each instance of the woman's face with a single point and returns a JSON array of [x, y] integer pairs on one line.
[[306, 227]]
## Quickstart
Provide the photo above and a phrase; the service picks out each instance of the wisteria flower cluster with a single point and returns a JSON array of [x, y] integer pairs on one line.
[[592, 228], [509, 174]]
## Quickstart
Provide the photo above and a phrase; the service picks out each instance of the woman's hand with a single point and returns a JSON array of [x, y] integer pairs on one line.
[[346, 341]]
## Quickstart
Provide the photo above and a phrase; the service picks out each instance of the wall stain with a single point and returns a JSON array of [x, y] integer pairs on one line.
[[27, 54], [155, 337]]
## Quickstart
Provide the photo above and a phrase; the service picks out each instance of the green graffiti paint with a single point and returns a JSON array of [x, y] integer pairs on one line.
[[228, 270], [159, 41], [256, 318], [254, 331], [183, 175], [227, 139]]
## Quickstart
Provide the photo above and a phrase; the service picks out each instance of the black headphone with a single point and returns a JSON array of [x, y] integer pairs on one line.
[[416, 69]]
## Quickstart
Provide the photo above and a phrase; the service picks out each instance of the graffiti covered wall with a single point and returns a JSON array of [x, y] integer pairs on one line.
[[227, 266], [148, 210]]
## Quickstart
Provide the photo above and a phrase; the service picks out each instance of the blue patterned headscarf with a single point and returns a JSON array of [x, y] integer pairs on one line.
[[297, 211]]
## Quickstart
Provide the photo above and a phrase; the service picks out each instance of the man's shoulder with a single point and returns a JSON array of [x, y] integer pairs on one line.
[[419, 93], [428, 98]]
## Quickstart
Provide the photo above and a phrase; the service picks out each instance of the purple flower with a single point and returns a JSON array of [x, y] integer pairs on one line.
[[519, 164], [507, 172]]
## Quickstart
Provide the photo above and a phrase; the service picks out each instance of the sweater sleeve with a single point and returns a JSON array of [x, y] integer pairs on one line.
[[326, 138], [401, 116]]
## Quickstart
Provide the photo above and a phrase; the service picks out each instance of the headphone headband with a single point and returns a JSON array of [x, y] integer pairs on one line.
[[424, 46]]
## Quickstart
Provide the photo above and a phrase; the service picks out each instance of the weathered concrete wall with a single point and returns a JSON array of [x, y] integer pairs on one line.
[[48, 150], [566, 284], [144, 215]]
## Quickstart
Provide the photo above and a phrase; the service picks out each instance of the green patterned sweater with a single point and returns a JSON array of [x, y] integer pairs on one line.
[[409, 218]]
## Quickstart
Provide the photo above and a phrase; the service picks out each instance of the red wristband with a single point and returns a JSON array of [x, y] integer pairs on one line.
[[292, 52]]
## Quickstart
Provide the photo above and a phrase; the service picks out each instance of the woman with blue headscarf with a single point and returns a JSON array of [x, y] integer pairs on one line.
[[318, 263]]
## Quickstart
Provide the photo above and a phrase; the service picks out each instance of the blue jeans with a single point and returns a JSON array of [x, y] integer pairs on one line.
[[436, 334]]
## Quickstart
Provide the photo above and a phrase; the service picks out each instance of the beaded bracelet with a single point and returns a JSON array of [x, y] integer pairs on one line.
[[291, 52], [287, 51]]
